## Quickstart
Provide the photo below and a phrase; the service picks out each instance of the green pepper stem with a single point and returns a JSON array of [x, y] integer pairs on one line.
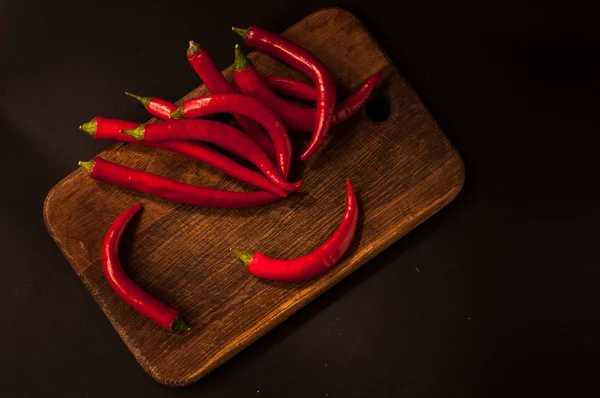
[[144, 100], [241, 32], [137, 133], [193, 48], [245, 257], [178, 325], [90, 127], [87, 165], [241, 62], [177, 114]]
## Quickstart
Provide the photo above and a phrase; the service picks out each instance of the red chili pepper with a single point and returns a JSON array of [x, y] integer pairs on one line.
[[220, 134], [245, 106], [108, 129], [303, 60], [291, 87], [296, 117], [216, 83], [126, 177], [314, 263], [155, 106], [157, 311]]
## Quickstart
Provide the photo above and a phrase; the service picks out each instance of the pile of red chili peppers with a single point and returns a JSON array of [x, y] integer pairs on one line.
[[259, 136]]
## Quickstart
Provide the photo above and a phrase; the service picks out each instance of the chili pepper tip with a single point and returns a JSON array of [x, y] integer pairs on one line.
[[87, 165], [241, 32], [137, 133], [245, 257], [90, 127], [179, 325], [309, 151], [177, 114], [241, 62], [144, 100], [193, 48]]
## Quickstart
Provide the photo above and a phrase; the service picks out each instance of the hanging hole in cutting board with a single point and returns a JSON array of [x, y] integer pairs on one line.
[[378, 109]]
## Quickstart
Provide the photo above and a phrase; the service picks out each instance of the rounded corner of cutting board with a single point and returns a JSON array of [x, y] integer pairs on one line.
[[462, 175], [49, 202], [185, 379], [461, 172], [168, 382]]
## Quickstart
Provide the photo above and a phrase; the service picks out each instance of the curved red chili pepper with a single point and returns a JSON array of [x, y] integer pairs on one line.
[[101, 128], [155, 106], [202, 63], [291, 87], [223, 135], [126, 177], [314, 263], [245, 106], [157, 311], [297, 117], [303, 60]]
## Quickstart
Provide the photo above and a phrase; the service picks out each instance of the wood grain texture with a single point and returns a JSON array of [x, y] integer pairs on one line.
[[404, 170]]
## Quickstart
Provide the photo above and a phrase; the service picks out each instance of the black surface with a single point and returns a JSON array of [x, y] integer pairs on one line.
[[497, 295]]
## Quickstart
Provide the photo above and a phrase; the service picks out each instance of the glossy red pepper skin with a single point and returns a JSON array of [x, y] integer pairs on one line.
[[245, 106], [204, 66], [220, 134], [300, 58], [108, 129], [141, 181], [155, 106], [315, 263], [155, 310], [294, 88], [291, 87], [297, 117]]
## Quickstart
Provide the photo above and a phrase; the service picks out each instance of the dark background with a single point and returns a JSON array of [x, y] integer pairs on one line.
[[496, 295]]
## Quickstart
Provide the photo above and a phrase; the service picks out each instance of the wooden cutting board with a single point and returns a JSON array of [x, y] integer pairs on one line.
[[403, 169]]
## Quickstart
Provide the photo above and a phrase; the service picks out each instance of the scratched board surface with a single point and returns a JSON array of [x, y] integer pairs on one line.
[[403, 169]]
